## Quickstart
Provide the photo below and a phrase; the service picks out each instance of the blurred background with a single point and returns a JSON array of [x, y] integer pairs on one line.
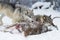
[[30, 2]]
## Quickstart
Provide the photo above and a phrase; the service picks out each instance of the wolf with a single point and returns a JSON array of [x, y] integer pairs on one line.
[[8, 10], [25, 10], [5, 9], [46, 21]]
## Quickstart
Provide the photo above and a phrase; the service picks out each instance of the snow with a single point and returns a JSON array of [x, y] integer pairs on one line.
[[52, 35], [6, 20], [44, 11], [57, 22], [47, 12], [37, 4], [8, 36]]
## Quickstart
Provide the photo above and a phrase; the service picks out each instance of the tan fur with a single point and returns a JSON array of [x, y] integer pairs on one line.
[[15, 15], [30, 28], [45, 20], [25, 10], [33, 31], [8, 10], [39, 18]]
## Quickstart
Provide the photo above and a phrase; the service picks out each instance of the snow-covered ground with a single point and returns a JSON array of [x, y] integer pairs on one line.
[[53, 35], [5, 20]]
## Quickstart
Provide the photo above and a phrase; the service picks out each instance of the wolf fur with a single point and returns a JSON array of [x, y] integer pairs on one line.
[[8, 10], [45, 20], [15, 14]]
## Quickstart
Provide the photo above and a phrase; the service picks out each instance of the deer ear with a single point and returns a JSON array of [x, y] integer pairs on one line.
[[50, 16]]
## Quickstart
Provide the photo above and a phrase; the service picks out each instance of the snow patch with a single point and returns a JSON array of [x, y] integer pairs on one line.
[[6, 20], [44, 4]]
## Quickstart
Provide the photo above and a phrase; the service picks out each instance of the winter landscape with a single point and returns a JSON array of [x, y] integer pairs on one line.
[[50, 35]]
